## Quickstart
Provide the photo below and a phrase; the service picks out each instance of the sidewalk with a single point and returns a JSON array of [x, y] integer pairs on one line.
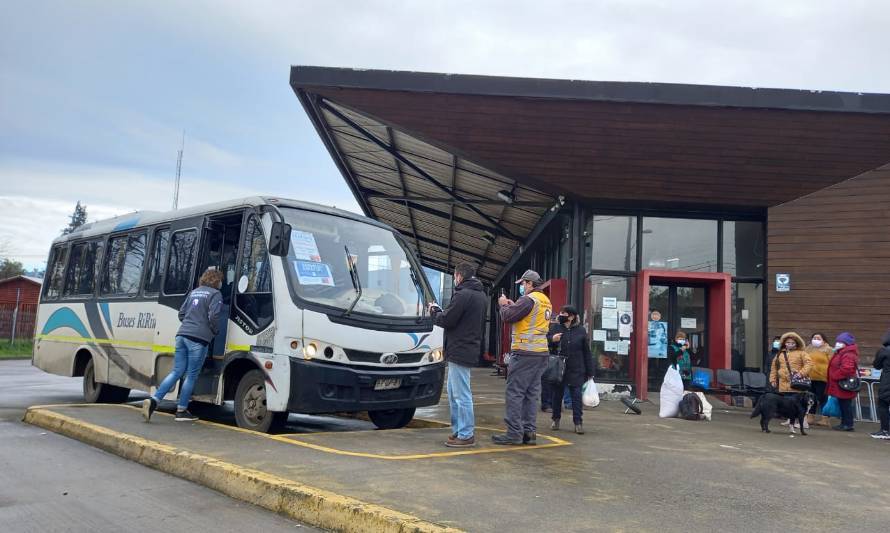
[[627, 472]]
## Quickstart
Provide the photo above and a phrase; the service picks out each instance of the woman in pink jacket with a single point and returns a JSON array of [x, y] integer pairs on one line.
[[844, 364]]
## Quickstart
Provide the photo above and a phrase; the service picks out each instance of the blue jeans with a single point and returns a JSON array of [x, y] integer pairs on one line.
[[460, 400], [188, 360]]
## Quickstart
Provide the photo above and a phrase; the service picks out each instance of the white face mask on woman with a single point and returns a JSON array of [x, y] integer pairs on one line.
[[838, 346], [817, 343]]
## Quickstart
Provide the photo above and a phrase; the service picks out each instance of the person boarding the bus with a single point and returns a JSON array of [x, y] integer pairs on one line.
[[462, 321], [530, 319], [199, 316]]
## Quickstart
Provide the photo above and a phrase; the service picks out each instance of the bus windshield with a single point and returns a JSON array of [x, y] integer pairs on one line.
[[384, 281]]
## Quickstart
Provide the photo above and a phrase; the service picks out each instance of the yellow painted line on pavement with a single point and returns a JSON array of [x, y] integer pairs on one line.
[[317, 507]]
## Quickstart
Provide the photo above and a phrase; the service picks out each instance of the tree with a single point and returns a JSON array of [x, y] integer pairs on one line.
[[78, 218], [10, 268]]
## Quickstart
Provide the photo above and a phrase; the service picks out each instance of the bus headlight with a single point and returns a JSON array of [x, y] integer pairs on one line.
[[310, 350], [435, 355]]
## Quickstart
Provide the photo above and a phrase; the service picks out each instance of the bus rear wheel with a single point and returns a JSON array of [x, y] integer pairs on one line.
[[250, 405], [391, 418], [95, 392]]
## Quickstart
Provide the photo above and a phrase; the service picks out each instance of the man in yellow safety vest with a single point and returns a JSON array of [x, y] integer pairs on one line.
[[530, 319]]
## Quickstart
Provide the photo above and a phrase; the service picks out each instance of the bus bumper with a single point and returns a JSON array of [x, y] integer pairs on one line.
[[326, 388]]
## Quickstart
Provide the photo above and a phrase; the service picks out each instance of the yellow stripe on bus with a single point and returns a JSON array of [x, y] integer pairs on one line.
[[158, 348]]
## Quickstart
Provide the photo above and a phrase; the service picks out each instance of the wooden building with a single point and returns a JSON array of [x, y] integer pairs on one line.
[[680, 202]]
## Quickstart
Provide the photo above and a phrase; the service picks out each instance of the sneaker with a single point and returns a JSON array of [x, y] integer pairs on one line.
[[461, 443], [504, 439], [788, 422], [555, 425], [530, 438], [882, 435], [842, 427], [148, 408], [579, 429], [185, 416]]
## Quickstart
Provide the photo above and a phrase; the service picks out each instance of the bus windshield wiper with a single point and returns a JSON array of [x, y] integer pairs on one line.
[[356, 282], [420, 294]]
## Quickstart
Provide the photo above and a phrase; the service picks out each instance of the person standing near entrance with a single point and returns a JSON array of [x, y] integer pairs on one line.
[[680, 356], [575, 347], [462, 321], [791, 359], [844, 364], [882, 363], [819, 352], [530, 319], [199, 314]]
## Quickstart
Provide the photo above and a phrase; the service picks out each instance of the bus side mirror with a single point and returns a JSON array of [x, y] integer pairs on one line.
[[279, 239]]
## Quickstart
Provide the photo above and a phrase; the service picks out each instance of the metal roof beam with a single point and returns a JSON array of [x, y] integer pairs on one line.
[[453, 201], [392, 142], [415, 168]]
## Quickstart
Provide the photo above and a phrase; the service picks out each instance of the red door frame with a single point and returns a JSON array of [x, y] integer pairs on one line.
[[719, 315]]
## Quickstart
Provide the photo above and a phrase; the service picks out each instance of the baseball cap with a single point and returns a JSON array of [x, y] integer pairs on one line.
[[530, 275]]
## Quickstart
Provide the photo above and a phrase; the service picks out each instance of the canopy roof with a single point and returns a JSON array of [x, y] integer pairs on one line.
[[466, 167]]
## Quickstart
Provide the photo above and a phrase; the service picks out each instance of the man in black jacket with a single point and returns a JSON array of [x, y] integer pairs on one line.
[[462, 321]]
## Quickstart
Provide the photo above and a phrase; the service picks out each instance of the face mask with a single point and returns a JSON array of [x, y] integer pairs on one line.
[[777, 345], [522, 290], [563, 319], [790, 347], [681, 342], [838, 346], [817, 343]]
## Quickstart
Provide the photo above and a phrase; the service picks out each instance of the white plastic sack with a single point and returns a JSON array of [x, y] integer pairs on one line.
[[590, 396], [671, 393], [706, 407]]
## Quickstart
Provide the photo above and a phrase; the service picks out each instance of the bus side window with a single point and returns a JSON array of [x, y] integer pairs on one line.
[[55, 273], [123, 265], [156, 261], [179, 269], [80, 278], [256, 300]]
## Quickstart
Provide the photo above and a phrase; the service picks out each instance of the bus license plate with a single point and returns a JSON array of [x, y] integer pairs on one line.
[[388, 384]]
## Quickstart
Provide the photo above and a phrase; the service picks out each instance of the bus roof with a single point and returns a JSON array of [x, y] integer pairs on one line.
[[138, 219]]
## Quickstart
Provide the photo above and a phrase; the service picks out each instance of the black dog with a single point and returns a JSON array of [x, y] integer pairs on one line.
[[792, 406]]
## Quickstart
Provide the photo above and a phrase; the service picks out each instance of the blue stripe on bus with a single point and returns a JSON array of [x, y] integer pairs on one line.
[[65, 318], [126, 224]]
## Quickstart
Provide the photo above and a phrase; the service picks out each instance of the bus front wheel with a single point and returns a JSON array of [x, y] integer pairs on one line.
[[250, 405], [391, 418], [95, 392]]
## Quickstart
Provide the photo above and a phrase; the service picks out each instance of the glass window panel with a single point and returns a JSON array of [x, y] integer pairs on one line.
[[611, 365], [156, 261], [679, 244], [56, 272], [747, 326], [743, 248], [123, 264], [179, 269], [81, 269], [114, 261], [255, 260], [614, 242]]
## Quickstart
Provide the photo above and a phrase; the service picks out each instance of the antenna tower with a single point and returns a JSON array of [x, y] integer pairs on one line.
[[178, 172]]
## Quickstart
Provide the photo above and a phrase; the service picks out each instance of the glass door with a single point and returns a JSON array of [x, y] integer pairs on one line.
[[675, 308]]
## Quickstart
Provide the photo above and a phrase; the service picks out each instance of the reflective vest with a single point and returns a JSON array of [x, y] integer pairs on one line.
[[530, 333]]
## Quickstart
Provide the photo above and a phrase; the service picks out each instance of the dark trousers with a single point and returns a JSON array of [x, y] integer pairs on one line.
[[546, 393], [577, 406], [846, 412], [818, 390], [884, 414], [523, 393]]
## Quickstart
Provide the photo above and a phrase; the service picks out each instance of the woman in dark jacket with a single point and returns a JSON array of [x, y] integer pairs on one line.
[[882, 363], [575, 347], [844, 364]]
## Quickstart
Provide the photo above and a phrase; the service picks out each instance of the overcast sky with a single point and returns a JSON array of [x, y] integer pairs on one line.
[[94, 96]]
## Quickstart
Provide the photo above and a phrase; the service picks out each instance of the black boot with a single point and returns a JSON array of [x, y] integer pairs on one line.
[[530, 438], [504, 439]]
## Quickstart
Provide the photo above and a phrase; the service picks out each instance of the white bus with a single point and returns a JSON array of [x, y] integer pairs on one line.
[[325, 310]]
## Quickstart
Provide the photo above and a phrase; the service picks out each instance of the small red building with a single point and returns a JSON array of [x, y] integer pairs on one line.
[[29, 287], [25, 290]]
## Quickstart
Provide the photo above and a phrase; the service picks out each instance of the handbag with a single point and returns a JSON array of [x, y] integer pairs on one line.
[[798, 382], [852, 384], [556, 368]]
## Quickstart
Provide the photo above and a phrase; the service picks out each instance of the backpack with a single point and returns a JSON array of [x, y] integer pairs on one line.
[[691, 407]]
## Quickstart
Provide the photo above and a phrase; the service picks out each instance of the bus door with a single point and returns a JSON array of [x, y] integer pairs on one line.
[[220, 251]]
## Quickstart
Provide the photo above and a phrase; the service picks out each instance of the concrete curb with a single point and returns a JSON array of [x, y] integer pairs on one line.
[[307, 504]]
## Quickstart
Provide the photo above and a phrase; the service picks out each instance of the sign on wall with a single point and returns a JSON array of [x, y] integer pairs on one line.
[[783, 282]]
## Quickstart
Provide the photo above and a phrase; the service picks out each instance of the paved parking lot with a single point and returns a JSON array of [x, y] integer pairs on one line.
[[627, 472]]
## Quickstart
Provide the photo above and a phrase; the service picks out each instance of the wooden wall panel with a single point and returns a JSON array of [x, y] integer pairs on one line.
[[630, 152], [835, 244]]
